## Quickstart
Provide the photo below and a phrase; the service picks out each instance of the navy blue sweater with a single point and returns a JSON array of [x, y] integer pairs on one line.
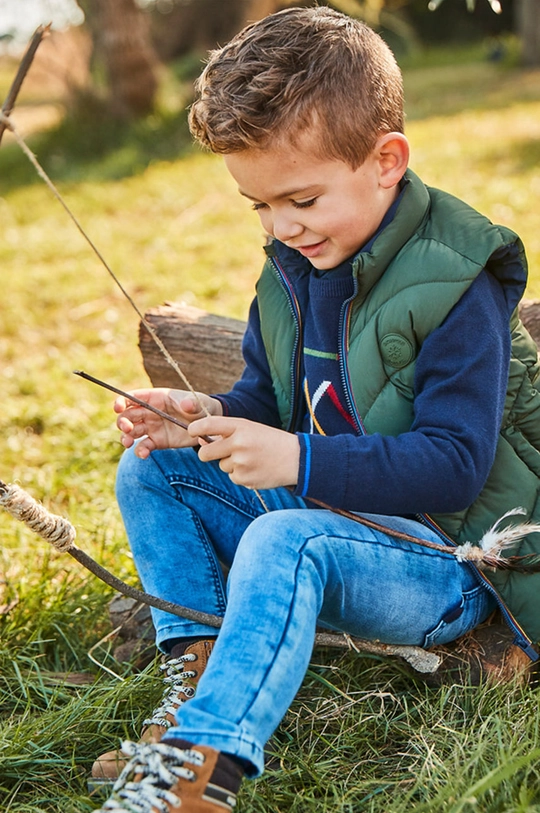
[[441, 464]]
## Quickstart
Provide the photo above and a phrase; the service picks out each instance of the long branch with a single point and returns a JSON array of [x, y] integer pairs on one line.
[[60, 533], [23, 69]]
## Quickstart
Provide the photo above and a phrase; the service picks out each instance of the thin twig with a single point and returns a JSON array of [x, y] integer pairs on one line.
[[104, 640], [23, 69], [138, 401]]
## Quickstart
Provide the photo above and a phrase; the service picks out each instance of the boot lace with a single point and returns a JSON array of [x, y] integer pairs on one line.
[[158, 768], [172, 698]]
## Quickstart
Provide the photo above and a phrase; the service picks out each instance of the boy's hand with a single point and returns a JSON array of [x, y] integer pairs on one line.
[[137, 422], [252, 454]]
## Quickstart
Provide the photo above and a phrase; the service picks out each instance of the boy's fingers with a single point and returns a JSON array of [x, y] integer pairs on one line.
[[189, 406], [131, 416], [212, 426], [123, 424], [120, 404]]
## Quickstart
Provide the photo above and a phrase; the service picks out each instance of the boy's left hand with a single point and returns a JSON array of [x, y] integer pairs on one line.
[[252, 454]]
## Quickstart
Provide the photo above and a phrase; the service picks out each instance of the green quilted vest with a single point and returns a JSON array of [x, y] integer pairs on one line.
[[417, 270]]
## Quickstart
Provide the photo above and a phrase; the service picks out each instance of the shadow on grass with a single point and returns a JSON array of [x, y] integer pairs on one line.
[[522, 155], [88, 145], [442, 92]]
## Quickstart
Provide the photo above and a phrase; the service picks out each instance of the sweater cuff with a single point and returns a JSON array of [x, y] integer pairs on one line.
[[224, 404], [304, 469], [323, 472]]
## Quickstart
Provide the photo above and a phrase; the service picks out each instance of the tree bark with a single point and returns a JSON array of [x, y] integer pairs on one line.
[[121, 37], [207, 348], [528, 29]]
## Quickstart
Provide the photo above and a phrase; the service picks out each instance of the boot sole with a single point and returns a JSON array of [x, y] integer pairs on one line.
[[96, 786]]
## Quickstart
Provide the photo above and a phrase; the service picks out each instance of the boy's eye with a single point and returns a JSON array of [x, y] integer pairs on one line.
[[305, 204]]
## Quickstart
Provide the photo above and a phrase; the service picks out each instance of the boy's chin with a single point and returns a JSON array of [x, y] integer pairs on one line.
[[327, 263]]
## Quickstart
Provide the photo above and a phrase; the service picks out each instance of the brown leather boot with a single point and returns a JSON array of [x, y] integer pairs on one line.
[[182, 676], [162, 777]]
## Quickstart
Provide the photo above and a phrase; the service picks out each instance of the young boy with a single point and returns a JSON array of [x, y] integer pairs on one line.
[[377, 380]]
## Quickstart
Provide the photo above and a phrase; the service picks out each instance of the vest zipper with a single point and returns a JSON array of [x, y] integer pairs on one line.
[[520, 637], [343, 346], [295, 361]]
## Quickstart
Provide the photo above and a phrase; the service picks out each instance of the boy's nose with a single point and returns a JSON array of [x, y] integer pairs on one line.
[[286, 228]]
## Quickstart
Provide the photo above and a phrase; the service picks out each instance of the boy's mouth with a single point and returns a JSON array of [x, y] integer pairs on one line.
[[312, 250]]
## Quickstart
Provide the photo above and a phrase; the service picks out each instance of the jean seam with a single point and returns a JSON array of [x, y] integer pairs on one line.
[[285, 628], [177, 479], [418, 550], [217, 579], [199, 485]]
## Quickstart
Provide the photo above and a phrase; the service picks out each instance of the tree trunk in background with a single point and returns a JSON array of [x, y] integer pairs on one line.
[[257, 9], [121, 36], [200, 25], [528, 29]]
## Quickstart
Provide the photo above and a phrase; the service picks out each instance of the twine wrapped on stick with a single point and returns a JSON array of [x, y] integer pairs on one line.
[[60, 533]]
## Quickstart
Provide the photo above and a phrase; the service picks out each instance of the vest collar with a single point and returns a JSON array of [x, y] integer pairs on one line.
[[368, 267]]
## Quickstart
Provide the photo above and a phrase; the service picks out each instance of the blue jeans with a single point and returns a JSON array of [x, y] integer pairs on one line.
[[290, 569]]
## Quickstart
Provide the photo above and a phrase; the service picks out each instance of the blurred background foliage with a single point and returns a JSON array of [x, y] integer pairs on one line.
[[123, 45], [119, 73]]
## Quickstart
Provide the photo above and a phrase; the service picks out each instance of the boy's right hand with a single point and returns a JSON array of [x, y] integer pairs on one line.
[[156, 432]]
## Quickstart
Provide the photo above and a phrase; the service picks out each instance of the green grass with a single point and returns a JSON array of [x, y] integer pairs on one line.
[[362, 735]]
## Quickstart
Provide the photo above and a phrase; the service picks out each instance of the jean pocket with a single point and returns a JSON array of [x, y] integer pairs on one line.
[[474, 607]]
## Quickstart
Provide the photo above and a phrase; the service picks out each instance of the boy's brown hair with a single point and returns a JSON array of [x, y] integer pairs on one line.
[[298, 70]]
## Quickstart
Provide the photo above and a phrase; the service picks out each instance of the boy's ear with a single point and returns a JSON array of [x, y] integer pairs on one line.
[[392, 152]]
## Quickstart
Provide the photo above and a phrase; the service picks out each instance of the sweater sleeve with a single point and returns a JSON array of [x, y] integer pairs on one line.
[[441, 464], [253, 396]]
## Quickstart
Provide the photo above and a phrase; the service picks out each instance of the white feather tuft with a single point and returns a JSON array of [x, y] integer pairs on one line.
[[469, 553], [498, 539]]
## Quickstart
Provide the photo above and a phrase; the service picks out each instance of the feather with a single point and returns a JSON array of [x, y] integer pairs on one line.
[[490, 548]]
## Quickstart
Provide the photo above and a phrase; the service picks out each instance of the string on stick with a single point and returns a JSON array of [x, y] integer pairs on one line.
[[55, 529]]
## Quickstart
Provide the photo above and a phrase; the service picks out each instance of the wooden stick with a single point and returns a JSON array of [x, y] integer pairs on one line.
[[61, 535], [24, 67], [138, 401]]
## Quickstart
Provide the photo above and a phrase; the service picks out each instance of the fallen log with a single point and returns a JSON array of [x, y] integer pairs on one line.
[[208, 347]]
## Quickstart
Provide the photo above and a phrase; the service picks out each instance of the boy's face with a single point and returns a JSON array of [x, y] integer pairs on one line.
[[318, 206]]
